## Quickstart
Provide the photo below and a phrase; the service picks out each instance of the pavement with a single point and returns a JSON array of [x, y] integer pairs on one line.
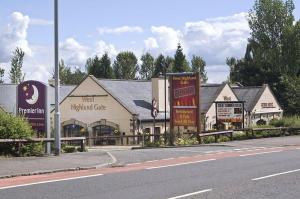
[[123, 155]]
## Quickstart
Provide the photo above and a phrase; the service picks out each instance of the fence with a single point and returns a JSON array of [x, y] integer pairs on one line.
[[74, 140]]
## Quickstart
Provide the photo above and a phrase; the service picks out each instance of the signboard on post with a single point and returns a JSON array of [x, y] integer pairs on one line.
[[32, 104], [185, 102], [230, 112]]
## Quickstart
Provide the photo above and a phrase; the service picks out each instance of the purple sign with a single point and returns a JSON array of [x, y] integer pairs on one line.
[[31, 103]]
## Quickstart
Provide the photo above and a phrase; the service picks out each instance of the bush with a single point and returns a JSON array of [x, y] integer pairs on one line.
[[293, 121], [15, 127], [186, 140], [69, 149], [223, 139], [208, 139], [240, 135]]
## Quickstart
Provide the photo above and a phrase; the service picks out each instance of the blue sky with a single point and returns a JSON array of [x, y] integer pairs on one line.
[[213, 29]]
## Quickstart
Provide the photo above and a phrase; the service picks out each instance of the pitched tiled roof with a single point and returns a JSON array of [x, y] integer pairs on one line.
[[249, 94], [209, 93]]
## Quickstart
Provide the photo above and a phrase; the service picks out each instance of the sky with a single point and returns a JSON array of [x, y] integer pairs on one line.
[[212, 29]]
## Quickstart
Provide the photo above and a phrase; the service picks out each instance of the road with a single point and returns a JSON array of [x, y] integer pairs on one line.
[[226, 173]]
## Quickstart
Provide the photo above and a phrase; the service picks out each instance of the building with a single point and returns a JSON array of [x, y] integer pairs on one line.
[[260, 104], [99, 107]]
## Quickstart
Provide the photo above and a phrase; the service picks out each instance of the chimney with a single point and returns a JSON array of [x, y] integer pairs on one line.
[[158, 92]]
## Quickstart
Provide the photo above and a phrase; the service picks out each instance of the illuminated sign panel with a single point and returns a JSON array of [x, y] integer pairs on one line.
[[229, 111], [32, 102], [185, 99]]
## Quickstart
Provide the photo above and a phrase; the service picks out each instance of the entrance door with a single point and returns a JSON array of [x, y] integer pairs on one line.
[[101, 134]]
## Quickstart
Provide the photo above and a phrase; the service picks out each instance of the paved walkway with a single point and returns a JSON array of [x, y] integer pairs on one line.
[[30, 165]]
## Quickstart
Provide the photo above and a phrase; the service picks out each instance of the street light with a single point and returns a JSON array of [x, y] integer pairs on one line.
[[57, 113], [165, 66]]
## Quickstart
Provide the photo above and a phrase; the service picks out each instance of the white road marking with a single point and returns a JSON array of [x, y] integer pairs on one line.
[[168, 159], [191, 194], [276, 174], [50, 181], [133, 164], [151, 161], [249, 154], [173, 165]]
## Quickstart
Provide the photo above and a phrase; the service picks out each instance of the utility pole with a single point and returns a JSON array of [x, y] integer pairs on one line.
[[57, 113]]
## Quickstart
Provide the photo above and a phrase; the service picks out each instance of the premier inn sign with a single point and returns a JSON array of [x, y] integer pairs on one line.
[[32, 102]]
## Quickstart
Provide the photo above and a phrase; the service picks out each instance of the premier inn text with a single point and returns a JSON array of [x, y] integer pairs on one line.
[[23, 111]]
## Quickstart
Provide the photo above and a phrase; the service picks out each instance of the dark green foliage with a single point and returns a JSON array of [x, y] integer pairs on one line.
[[14, 127], [1, 75], [100, 68], [159, 66], [198, 65], [273, 53], [147, 67], [66, 76], [16, 76], [180, 62], [125, 66]]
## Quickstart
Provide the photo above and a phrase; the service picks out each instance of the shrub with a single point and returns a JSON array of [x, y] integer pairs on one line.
[[223, 139], [15, 127], [240, 135], [186, 140], [208, 139], [69, 149]]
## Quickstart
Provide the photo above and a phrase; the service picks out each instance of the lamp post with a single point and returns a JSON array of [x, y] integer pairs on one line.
[[165, 78], [57, 113]]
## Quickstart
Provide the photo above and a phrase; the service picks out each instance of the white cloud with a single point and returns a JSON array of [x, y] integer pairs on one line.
[[217, 38], [167, 38], [102, 47], [14, 35], [41, 22], [150, 43], [73, 52], [120, 30]]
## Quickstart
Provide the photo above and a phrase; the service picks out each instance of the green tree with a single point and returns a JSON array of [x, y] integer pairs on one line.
[[180, 62], [1, 75], [100, 68], [16, 75], [66, 75], [198, 65], [147, 67], [125, 66], [159, 66], [273, 51]]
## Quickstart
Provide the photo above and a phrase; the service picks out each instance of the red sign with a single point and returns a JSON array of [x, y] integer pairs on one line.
[[185, 99], [184, 117]]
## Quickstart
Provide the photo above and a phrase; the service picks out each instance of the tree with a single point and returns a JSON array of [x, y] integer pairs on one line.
[[180, 63], [273, 51], [159, 66], [147, 67], [66, 75], [125, 66], [100, 68], [1, 75], [16, 76], [198, 65]]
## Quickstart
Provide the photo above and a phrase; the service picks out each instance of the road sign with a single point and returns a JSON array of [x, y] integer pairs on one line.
[[154, 110]]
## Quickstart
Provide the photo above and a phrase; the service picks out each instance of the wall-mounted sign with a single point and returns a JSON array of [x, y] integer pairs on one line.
[[88, 104], [230, 112], [32, 104], [184, 95]]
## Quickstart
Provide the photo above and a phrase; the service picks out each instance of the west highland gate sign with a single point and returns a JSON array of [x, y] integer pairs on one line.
[[185, 100], [32, 104]]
